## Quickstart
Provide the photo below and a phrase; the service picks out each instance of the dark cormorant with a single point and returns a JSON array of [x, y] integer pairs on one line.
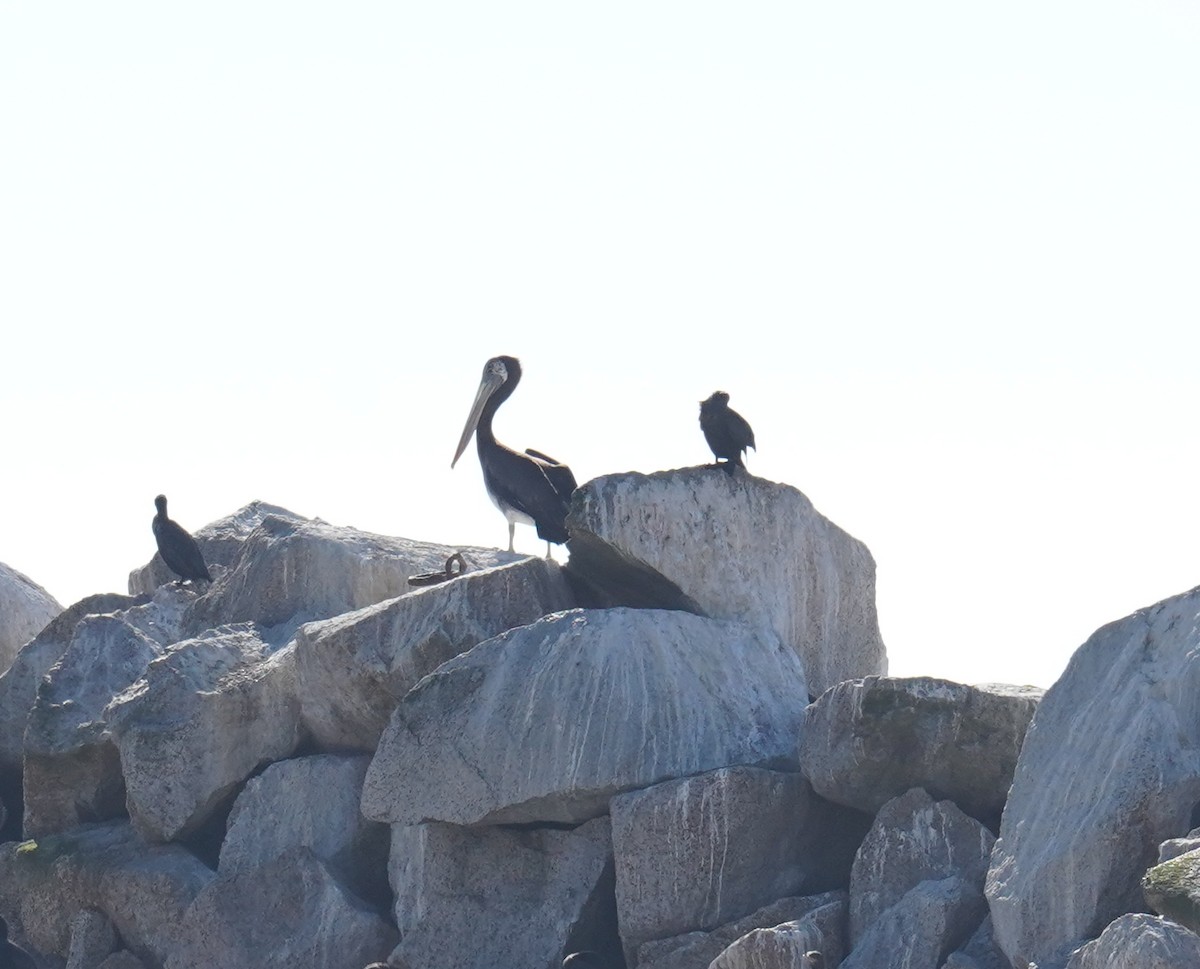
[[177, 548], [531, 488], [12, 956], [726, 430]]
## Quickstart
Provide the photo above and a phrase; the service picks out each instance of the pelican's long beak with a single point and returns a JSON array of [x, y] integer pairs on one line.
[[487, 387]]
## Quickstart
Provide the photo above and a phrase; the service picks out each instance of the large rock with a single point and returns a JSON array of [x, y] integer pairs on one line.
[[1108, 771], [914, 839], [353, 669], [290, 570], [494, 898], [219, 542], [733, 547], [609, 701], [25, 608], [979, 952], [1174, 847], [867, 741], [695, 853], [932, 920], [1173, 889], [290, 912], [19, 685], [695, 950], [197, 723], [93, 939], [310, 802], [1140, 942], [142, 889], [783, 946]]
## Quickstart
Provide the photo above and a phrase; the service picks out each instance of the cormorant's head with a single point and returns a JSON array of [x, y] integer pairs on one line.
[[717, 400], [161, 504]]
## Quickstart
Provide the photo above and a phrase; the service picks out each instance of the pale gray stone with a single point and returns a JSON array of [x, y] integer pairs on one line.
[[219, 541], [695, 950], [291, 911], [289, 571], [1172, 888], [494, 898], [867, 741], [1174, 847], [142, 889], [353, 669], [122, 960], [914, 839], [695, 853], [548, 721], [197, 723], [1140, 942], [311, 802], [1107, 773], [922, 929], [733, 547], [979, 952], [93, 939], [25, 609], [784, 946]]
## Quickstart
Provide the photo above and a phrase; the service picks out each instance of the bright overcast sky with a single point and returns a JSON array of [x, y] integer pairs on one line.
[[943, 256]]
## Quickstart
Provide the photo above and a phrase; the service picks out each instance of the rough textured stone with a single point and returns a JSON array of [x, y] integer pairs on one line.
[[1173, 889], [93, 939], [922, 929], [19, 685], [25, 609], [695, 853], [290, 571], [979, 952], [610, 700], [1140, 942], [494, 898], [698, 949], [914, 839], [867, 741], [197, 723], [354, 669], [734, 547], [289, 912], [142, 889], [1174, 847], [1108, 771], [219, 542], [783, 946], [312, 802], [122, 960]]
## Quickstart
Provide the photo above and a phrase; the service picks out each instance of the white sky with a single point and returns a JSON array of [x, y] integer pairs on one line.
[[943, 256]]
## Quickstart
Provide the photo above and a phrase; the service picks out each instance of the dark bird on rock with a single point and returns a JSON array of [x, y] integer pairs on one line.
[[12, 956], [531, 488], [726, 430], [177, 548]]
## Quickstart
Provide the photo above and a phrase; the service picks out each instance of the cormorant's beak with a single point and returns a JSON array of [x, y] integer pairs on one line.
[[487, 386]]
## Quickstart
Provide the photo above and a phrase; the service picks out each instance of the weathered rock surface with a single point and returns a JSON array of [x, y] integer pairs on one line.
[[733, 547], [783, 946], [310, 802], [609, 700], [25, 609], [289, 912], [695, 853], [122, 960], [354, 669], [914, 839], [1108, 771], [494, 898], [1140, 942], [219, 541], [19, 685], [142, 889], [979, 952], [1173, 889], [698, 949], [197, 722], [1174, 847], [867, 741], [922, 929], [93, 939], [290, 570]]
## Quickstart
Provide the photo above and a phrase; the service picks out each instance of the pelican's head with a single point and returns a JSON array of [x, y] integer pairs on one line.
[[497, 372]]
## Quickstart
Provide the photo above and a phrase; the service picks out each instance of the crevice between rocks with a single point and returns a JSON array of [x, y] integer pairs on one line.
[[601, 577]]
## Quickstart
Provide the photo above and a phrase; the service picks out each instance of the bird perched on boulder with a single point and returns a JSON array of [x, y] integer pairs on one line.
[[12, 956], [727, 432], [177, 548]]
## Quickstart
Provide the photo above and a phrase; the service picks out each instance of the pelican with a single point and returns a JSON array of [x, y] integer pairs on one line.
[[531, 488], [177, 548], [727, 432]]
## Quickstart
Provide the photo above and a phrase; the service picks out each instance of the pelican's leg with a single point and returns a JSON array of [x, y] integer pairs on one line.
[[511, 530], [549, 557]]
